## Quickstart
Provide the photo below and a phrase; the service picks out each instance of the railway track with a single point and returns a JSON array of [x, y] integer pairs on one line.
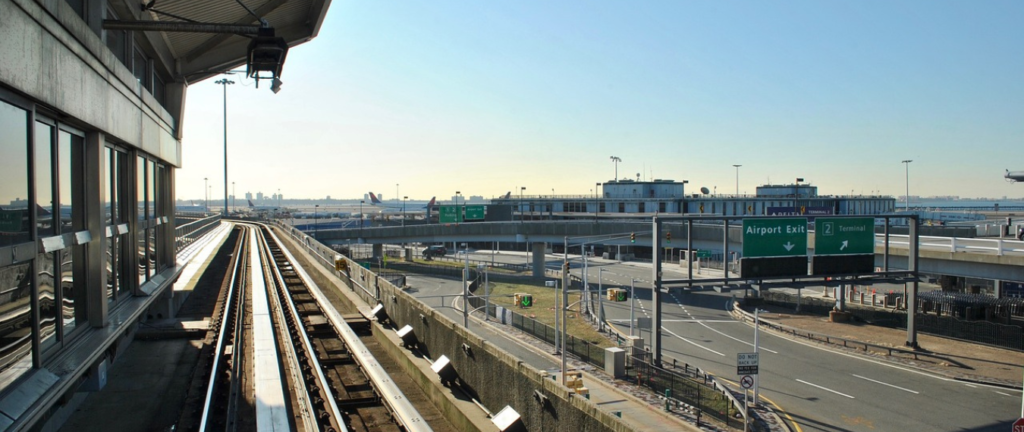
[[282, 353]]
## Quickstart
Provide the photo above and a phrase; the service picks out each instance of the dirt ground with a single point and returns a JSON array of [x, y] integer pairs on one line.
[[958, 359]]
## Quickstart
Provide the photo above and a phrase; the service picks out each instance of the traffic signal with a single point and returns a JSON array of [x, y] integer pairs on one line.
[[668, 237], [524, 300], [632, 237]]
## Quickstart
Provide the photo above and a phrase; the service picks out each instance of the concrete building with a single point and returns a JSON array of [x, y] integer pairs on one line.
[[91, 109], [643, 199]]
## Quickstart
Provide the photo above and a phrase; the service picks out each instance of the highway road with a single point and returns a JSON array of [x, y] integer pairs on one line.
[[819, 389]]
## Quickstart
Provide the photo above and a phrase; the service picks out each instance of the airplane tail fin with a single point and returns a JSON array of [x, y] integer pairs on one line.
[[373, 199], [250, 204], [431, 203], [508, 195]]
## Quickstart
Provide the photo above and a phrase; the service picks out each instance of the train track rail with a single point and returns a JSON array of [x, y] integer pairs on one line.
[[286, 355]]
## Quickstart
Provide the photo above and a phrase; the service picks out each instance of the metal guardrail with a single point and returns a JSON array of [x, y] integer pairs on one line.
[[836, 340], [187, 234], [956, 244]]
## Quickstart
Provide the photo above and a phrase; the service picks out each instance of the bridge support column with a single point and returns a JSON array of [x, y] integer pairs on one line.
[[537, 258], [378, 250]]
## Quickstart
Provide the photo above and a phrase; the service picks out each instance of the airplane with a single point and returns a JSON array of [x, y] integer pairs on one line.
[[507, 195], [1014, 176], [389, 208], [253, 207]]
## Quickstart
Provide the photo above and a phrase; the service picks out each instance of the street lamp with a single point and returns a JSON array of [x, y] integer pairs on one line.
[[522, 212], [225, 83], [206, 196], [737, 179], [616, 160], [597, 201], [906, 162], [316, 221], [403, 209], [457, 212], [361, 214]]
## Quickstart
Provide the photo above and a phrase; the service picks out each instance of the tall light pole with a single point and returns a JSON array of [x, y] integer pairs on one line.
[[316, 221], [232, 195], [522, 212], [403, 209], [225, 83], [361, 217], [206, 195], [457, 212], [906, 163], [278, 199], [737, 178], [597, 201], [616, 160]]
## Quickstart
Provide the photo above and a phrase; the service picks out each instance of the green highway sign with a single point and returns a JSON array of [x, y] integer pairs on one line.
[[844, 236], [475, 212], [448, 214], [774, 237], [701, 253]]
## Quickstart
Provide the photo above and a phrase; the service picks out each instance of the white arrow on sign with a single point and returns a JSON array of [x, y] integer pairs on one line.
[[845, 243], [788, 246]]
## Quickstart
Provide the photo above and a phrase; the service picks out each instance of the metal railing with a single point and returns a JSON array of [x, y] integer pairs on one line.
[[187, 234], [999, 247]]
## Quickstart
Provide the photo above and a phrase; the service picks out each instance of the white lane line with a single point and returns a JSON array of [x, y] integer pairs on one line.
[[691, 342], [886, 384], [971, 386], [1005, 394], [826, 389]]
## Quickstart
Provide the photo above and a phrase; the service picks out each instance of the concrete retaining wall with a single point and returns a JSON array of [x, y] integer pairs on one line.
[[488, 373]]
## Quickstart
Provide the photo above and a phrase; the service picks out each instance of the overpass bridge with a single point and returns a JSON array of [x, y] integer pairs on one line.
[[994, 259]]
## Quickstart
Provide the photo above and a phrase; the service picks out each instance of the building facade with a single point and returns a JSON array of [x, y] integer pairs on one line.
[[90, 137]]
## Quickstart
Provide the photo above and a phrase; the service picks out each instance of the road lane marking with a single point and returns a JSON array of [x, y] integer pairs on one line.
[[826, 389], [701, 322], [886, 384], [691, 342], [1005, 394], [971, 386]]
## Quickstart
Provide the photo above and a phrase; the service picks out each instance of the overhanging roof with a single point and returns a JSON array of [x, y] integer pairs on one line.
[[192, 57]]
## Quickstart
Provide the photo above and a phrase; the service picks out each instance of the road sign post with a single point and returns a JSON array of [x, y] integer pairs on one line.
[[746, 364]]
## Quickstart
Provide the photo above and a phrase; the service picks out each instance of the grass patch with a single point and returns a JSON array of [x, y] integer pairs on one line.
[[544, 309]]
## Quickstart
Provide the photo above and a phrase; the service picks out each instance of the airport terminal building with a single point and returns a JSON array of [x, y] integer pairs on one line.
[[643, 199], [92, 95]]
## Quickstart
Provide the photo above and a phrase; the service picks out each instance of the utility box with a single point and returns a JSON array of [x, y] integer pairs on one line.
[[615, 362]]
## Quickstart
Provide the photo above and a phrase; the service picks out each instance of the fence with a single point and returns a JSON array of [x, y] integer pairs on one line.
[[944, 322], [689, 386], [187, 234]]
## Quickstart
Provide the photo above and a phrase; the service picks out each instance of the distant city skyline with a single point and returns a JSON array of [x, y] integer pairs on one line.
[[488, 98]]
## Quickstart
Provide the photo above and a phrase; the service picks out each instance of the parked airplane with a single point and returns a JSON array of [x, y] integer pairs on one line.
[[1015, 176], [376, 202], [262, 207]]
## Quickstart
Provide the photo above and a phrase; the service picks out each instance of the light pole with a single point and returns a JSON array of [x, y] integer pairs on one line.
[[616, 160], [906, 162], [522, 212], [597, 201], [457, 212], [206, 195], [737, 179], [316, 221], [279, 200], [225, 83], [232, 195], [403, 209], [396, 191], [361, 217]]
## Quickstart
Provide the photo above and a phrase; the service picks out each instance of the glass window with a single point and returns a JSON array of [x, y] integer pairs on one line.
[[15, 301], [47, 219], [117, 40], [140, 66], [78, 6], [140, 175], [14, 216], [47, 298], [70, 150]]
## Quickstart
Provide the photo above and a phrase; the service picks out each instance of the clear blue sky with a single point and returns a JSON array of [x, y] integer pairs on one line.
[[485, 97]]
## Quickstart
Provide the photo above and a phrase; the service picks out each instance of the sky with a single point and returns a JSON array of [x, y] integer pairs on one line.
[[488, 97]]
